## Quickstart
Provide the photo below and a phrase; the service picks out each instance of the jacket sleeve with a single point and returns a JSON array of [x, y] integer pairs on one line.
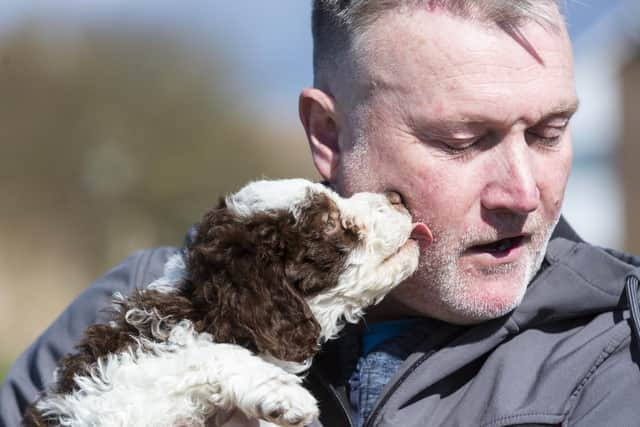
[[611, 395], [33, 371]]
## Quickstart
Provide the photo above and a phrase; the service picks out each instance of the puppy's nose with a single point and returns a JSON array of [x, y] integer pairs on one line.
[[394, 198]]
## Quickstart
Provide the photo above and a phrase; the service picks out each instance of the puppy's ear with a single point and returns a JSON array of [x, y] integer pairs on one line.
[[238, 284], [284, 325]]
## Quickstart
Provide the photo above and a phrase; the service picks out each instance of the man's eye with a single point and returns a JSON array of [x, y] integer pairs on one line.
[[548, 136], [458, 146]]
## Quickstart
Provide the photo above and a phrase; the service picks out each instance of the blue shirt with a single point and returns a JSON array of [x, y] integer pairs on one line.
[[385, 346]]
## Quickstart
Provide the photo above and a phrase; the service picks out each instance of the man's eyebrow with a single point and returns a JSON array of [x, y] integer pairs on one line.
[[433, 128], [564, 109]]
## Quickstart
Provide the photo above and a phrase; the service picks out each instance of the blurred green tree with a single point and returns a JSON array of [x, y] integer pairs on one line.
[[112, 140]]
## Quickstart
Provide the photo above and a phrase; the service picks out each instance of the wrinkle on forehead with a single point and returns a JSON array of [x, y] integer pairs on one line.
[[398, 38]]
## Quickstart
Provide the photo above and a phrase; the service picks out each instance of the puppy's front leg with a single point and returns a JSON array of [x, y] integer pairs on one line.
[[187, 381], [262, 390]]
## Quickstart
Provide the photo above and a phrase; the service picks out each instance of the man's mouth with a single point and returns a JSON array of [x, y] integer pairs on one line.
[[500, 248]]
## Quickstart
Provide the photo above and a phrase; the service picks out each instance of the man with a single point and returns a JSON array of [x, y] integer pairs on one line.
[[463, 108]]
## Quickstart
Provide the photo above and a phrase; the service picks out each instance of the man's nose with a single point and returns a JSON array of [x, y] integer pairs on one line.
[[512, 182]]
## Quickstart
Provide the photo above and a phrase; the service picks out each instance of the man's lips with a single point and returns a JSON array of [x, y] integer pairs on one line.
[[501, 247]]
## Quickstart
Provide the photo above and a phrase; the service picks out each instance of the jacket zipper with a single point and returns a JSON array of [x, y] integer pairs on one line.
[[395, 386], [337, 400]]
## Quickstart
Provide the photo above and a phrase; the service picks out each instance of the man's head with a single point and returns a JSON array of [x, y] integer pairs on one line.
[[462, 107]]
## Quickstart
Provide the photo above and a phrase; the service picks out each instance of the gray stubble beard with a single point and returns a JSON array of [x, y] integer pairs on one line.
[[440, 284]]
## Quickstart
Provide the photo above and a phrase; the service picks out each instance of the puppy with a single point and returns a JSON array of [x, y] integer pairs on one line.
[[273, 271]]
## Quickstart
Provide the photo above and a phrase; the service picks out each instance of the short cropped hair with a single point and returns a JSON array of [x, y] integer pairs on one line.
[[334, 23]]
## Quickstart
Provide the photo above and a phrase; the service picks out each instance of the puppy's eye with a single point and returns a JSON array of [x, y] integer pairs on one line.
[[394, 198], [331, 222], [330, 226], [352, 229]]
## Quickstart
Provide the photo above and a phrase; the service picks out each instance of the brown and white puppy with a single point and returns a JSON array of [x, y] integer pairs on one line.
[[273, 272]]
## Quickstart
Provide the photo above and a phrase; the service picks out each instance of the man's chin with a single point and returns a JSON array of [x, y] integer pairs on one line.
[[488, 293], [475, 297], [477, 309], [491, 307]]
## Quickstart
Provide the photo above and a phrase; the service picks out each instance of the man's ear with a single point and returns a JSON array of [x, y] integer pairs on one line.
[[318, 115]]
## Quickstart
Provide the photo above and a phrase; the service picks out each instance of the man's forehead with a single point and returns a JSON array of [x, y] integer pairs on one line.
[[420, 54], [400, 36]]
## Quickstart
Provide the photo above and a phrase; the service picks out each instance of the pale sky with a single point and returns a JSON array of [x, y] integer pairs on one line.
[[268, 42], [269, 46]]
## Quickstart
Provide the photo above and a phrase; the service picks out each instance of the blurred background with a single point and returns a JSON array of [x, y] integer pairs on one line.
[[120, 122]]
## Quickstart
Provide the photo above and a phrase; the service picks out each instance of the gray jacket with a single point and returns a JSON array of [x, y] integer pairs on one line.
[[565, 356]]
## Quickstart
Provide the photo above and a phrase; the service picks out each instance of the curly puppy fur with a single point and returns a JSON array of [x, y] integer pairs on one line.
[[274, 268]]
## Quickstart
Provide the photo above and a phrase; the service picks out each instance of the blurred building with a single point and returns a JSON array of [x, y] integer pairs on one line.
[[601, 199], [630, 149]]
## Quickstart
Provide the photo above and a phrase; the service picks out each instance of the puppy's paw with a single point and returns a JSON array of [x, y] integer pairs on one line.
[[283, 401], [217, 398]]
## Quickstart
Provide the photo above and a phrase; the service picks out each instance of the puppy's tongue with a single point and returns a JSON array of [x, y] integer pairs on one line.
[[422, 234]]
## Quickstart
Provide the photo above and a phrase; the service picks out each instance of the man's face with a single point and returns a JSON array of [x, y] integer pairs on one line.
[[471, 128]]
